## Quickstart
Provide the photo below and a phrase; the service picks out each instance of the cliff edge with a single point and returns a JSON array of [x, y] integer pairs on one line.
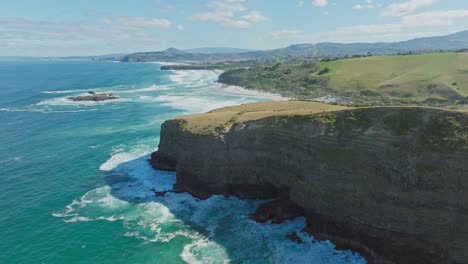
[[389, 182]]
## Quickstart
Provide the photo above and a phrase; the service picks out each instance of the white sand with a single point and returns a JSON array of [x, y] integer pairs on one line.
[[232, 89]]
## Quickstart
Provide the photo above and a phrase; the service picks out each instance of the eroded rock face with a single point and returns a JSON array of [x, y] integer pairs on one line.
[[391, 183], [277, 211]]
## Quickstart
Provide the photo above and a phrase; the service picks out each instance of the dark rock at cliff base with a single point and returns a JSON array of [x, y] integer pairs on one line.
[[162, 162], [295, 238], [93, 97], [160, 194], [277, 211]]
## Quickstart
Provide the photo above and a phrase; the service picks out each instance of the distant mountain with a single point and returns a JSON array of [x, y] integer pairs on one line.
[[215, 50], [23, 58], [451, 42], [174, 51], [108, 57], [454, 41], [172, 55]]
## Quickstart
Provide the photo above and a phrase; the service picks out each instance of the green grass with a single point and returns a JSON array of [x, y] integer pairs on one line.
[[446, 129], [413, 77], [299, 111], [433, 79]]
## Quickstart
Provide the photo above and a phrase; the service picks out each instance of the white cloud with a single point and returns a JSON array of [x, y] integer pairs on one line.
[[407, 24], [255, 16], [363, 30], [237, 24], [360, 7], [226, 13], [111, 29], [140, 22], [223, 18], [320, 3], [404, 8], [368, 4], [228, 6], [180, 28], [436, 18], [300, 3], [286, 33]]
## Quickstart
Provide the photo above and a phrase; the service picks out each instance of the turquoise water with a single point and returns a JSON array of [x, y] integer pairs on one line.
[[75, 186]]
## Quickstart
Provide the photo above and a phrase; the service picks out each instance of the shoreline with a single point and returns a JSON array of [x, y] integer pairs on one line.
[[238, 90]]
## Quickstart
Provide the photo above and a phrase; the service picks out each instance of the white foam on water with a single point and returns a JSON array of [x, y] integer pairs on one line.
[[112, 89], [111, 218], [145, 221], [78, 219], [218, 228], [45, 111], [151, 88], [195, 78], [67, 91], [204, 251], [82, 90], [194, 103], [125, 94], [110, 202], [64, 101], [240, 91], [120, 155], [70, 210]]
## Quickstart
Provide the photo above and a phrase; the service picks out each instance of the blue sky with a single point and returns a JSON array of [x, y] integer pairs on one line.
[[90, 27]]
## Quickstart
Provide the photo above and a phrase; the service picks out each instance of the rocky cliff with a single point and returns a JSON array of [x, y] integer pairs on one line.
[[389, 182]]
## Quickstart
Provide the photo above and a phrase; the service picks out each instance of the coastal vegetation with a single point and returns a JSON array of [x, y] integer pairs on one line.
[[222, 118], [432, 79]]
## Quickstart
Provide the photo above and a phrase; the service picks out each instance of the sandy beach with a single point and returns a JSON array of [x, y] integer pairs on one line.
[[238, 90]]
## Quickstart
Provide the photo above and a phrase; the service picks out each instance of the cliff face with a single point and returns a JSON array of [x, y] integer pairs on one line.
[[389, 182]]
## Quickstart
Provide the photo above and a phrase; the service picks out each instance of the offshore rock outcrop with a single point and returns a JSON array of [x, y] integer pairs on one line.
[[390, 183], [93, 97]]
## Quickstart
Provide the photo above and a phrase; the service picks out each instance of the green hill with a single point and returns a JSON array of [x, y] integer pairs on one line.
[[433, 78]]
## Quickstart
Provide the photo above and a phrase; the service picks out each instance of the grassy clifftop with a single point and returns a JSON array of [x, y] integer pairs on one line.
[[219, 119], [436, 78], [446, 131]]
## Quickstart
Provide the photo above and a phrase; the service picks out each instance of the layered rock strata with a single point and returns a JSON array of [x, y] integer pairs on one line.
[[390, 182]]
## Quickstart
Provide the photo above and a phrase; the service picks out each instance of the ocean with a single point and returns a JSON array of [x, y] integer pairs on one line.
[[75, 186]]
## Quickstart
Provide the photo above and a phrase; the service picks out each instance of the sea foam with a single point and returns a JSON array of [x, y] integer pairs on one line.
[[118, 158], [217, 229]]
